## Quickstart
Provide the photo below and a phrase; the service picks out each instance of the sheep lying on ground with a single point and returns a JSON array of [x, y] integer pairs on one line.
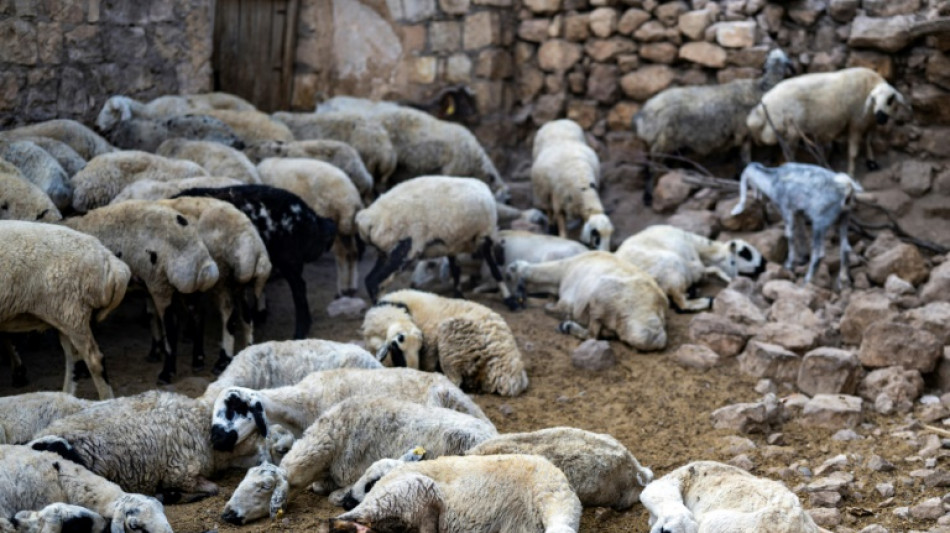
[[122, 108], [404, 225], [331, 194], [60, 278], [23, 415], [291, 231], [470, 343], [715, 498], [21, 200], [237, 249], [823, 106], [83, 140], [524, 493], [59, 518], [105, 176], [336, 450], [678, 259], [239, 412], [159, 190], [61, 152], [611, 296], [166, 255], [601, 470], [39, 168], [251, 125], [216, 158], [31, 479], [338, 154], [822, 195], [148, 134], [280, 363]]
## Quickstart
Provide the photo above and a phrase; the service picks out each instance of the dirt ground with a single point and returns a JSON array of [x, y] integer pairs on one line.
[[659, 410]]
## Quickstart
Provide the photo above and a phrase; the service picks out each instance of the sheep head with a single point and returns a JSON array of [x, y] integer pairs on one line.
[[117, 109], [238, 412], [597, 232], [262, 492], [358, 491], [390, 331], [743, 259], [884, 102], [136, 513]]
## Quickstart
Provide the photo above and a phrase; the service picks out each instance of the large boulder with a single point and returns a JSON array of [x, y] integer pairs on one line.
[[793, 337], [720, 334], [763, 360], [863, 309], [933, 317], [890, 34], [829, 371], [695, 356], [737, 307], [938, 286], [904, 260], [899, 385], [890, 343], [832, 411], [755, 417]]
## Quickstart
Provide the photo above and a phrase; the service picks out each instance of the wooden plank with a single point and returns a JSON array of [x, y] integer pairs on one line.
[[290, 53]]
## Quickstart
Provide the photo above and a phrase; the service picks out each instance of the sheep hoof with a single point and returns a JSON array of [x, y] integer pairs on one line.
[[165, 378], [564, 327], [512, 303], [80, 370], [19, 377], [872, 165]]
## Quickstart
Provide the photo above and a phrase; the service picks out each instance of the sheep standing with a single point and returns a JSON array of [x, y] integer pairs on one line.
[[823, 106], [122, 108], [820, 194], [148, 134], [164, 252], [612, 297], [39, 168], [716, 498], [216, 158], [61, 152], [22, 415], [60, 278], [404, 225], [22, 200], [678, 259], [291, 231], [523, 493], [345, 441], [87, 143], [470, 343], [31, 479], [331, 194]]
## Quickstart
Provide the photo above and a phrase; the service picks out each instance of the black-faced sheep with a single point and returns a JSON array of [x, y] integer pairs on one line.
[[159, 190], [612, 297], [148, 134], [470, 343], [216, 158], [62, 279], [716, 498], [166, 255], [292, 233], [523, 493], [824, 106], [87, 143], [33, 479], [122, 108], [336, 450], [21, 200], [59, 518], [23, 415], [678, 259], [39, 168], [403, 227]]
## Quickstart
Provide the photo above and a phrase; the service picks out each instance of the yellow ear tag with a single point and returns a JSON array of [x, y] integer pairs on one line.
[[419, 450], [450, 109], [280, 513]]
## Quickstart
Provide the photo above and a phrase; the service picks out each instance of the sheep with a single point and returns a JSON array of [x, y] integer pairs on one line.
[[22, 415], [159, 190], [404, 225], [280, 363], [148, 134], [32, 479], [60, 278], [251, 125], [612, 296], [564, 185], [239, 412], [216, 158], [560, 131], [153, 442], [338, 154], [602, 472], [678, 259], [122, 108], [363, 133], [470, 343], [822, 195], [523, 493], [87, 143], [22, 200], [822, 106], [164, 252], [39, 168], [61, 152], [237, 249], [59, 518], [336, 450], [105, 176], [512, 217], [331, 194], [714, 497], [292, 233]]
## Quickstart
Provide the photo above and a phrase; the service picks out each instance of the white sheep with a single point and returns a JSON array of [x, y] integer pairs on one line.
[[166, 255], [105, 176], [68, 158], [471, 344], [122, 108], [157, 190], [251, 125], [331, 194], [523, 493], [59, 518], [31, 479], [240, 412], [678, 259], [560, 131], [405, 225], [148, 134], [823, 106], [87, 143], [39, 168], [602, 471], [612, 297], [713, 497], [345, 441], [56, 277], [22, 200], [216, 158], [279, 363], [23, 415]]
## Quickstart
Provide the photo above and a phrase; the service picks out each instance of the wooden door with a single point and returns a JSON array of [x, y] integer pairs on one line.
[[253, 56]]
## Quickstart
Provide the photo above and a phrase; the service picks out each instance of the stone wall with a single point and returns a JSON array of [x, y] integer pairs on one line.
[[64, 58]]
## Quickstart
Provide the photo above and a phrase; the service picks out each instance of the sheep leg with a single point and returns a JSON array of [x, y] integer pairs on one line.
[[716, 271], [352, 260], [682, 304], [561, 219], [193, 305], [16, 364], [169, 323], [386, 264], [854, 144], [456, 277], [817, 251], [488, 252], [844, 274], [789, 219], [225, 305], [871, 162], [157, 351], [298, 290], [85, 344], [339, 253], [570, 327]]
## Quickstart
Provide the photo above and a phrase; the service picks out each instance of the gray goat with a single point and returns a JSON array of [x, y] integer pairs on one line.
[[820, 194]]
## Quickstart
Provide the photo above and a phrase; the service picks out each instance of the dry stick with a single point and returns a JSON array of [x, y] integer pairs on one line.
[[679, 158], [894, 226], [938, 431]]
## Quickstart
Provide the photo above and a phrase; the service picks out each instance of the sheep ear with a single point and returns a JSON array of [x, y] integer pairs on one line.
[[257, 411], [279, 498], [869, 104], [732, 247], [382, 352]]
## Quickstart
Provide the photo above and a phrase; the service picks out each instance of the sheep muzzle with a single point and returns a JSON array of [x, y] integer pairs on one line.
[[232, 517], [222, 439], [881, 117]]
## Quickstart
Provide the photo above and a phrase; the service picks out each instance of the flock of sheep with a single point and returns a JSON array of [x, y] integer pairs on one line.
[[203, 197]]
